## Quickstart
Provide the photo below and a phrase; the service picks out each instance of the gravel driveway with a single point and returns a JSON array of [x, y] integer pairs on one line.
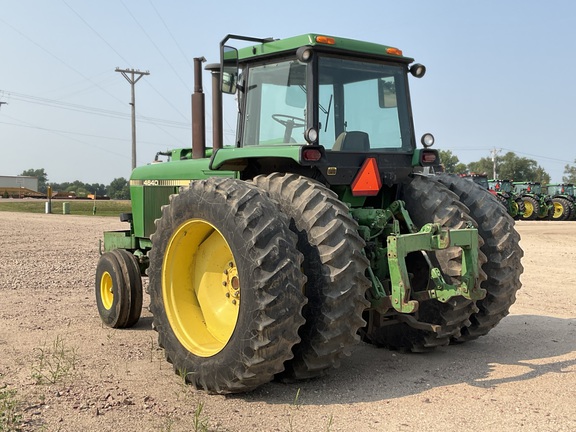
[[67, 372]]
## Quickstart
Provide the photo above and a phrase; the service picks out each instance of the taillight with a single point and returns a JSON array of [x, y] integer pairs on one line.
[[428, 157], [311, 155]]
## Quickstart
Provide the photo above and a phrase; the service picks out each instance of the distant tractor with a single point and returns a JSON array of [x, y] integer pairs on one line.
[[563, 199], [504, 191], [479, 179], [537, 205], [320, 225]]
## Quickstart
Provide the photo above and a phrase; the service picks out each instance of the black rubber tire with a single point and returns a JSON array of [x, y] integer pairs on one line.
[[335, 269], [118, 273], [521, 208], [502, 248], [502, 200], [429, 201], [550, 214], [268, 267], [565, 206], [530, 202]]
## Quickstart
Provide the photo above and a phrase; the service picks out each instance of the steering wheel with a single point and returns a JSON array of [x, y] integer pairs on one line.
[[289, 121]]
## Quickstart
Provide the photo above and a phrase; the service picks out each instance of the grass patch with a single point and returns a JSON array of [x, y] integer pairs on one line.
[[77, 207], [53, 363], [10, 417]]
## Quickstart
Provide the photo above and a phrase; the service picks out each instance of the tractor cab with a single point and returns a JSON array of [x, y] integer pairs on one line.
[[337, 97]]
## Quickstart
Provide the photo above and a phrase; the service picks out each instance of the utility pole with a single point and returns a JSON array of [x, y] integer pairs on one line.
[[129, 75], [494, 152]]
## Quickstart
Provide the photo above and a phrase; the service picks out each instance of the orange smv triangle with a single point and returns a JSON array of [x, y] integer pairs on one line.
[[367, 181]]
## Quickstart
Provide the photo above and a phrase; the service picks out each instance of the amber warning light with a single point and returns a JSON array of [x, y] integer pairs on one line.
[[367, 181], [326, 40]]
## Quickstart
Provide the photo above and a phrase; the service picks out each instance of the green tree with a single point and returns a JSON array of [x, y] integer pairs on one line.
[[569, 174], [483, 166], [119, 189], [40, 174], [541, 175], [510, 166], [97, 188], [451, 162], [521, 169]]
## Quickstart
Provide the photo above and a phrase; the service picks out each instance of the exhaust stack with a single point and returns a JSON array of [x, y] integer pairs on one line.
[[198, 113]]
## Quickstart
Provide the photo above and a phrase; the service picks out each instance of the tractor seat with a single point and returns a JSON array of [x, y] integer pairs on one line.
[[353, 141]]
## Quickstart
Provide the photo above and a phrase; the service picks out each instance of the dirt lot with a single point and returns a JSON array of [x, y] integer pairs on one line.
[[67, 372]]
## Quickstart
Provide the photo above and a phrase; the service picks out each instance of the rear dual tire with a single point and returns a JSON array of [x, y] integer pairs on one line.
[[428, 201], [225, 286], [502, 249], [335, 269]]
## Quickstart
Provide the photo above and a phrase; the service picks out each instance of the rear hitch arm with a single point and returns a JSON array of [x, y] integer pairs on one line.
[[432, 237]]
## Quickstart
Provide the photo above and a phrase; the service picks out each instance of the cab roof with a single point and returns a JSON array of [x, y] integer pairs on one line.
[[332, 43]]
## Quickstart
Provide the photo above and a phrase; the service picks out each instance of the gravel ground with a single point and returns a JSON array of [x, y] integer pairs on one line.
[[67, 372]]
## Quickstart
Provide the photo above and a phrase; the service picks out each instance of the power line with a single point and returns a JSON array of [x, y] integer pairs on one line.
[[94, 30], [55, 132], [172, 36], [72, 133], [466, 149], [122, 57], [59, 59], [94, 110], [156, 46]]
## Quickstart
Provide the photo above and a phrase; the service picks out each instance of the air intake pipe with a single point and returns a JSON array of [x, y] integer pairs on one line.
[[217, 127]]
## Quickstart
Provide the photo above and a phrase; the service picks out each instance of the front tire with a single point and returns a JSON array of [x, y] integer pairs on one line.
[[118, 289], [225, 285]]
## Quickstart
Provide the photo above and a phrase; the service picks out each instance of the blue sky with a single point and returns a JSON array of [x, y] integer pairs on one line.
[[499, 74]]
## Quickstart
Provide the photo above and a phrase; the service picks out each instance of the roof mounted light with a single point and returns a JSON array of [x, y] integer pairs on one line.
[[427, 140], [418, 70], [394, 51], [326, 40], [304, 54]]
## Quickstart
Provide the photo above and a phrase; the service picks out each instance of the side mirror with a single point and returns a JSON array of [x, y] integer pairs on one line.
[[228, 69], [296, 90], [387, 93]]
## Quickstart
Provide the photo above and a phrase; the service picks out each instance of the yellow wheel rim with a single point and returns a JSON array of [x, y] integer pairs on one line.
[[515, 207], [200, 287], [558, 210], [106, 290], [528, 209]]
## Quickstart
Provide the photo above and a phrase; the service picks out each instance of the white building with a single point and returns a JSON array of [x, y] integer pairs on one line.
[[11, 182]]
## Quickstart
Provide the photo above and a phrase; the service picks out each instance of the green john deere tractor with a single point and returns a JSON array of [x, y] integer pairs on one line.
[[504, 191], [322, 224], [564, 201], [480, 179], [537, 205]]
